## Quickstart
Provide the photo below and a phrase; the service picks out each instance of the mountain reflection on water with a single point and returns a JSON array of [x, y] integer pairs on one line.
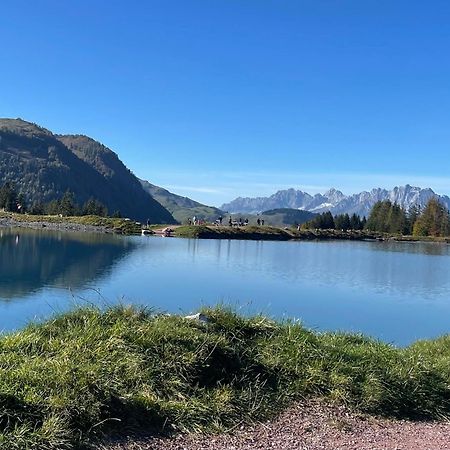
[[30, 259], [398, 292]]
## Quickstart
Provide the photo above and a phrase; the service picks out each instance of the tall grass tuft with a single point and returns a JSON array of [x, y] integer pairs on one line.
[[66, 383]]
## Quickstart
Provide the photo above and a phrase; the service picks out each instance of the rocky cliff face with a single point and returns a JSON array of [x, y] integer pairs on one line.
[[335, 201]]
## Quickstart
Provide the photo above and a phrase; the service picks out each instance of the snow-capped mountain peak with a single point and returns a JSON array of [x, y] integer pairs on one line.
[[335, 201]]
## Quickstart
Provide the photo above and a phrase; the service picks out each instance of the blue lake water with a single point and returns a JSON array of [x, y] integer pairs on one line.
[[398, 292]]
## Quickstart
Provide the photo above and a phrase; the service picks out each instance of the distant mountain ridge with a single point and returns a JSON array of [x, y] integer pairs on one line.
[[182, 208], [43, 166], [335, 201]]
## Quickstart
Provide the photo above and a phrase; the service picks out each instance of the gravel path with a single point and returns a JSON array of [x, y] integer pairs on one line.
[[311, 427]]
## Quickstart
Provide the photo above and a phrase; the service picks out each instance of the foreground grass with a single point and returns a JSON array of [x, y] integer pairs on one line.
[[73, 379]]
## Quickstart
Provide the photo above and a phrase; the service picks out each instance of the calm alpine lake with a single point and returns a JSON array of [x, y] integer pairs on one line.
[[398, 292]]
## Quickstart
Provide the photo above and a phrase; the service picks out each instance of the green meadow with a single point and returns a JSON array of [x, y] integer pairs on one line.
[[71, 381]]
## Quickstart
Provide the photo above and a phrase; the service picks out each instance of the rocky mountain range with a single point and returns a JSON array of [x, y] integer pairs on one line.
[[335, 201], [43, 166]]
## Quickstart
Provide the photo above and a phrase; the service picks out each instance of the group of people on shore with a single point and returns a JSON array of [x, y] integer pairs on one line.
[[237, 223], [242, 223], [219, 221], [196, 221]]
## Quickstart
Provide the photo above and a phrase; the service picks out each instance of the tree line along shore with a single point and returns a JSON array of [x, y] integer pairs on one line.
[[386, 220]]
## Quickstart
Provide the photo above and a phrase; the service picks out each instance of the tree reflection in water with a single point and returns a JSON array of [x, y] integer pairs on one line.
[[30, 259]]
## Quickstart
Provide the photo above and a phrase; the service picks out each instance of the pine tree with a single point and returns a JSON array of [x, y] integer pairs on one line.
[[67, 205], [412, 216], [328, 221], [8, 197], [355, 222], [37, 208], [94, 207], [342, 222], [21, 205], [434, 220], [387, 217]]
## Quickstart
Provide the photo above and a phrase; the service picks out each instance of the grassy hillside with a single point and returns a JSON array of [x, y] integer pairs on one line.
[[67, 382], [43, 167], [181, 208]]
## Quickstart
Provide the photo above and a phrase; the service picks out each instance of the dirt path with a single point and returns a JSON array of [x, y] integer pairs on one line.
[[312, 427]]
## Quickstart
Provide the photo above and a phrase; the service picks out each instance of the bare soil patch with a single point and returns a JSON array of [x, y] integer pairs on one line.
[[312, 426]]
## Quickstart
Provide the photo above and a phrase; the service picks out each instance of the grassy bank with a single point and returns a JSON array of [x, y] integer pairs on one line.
[[284, 234], [270, 233], [115, 225], [67, 382], [224, 232]]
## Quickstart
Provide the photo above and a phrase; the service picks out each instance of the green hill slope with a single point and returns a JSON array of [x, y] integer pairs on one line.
[[182, 208], [43, 166]]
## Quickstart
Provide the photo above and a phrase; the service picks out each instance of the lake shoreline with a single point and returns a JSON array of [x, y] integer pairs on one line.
[[96, 224], [282, 234], [84, 224], [45, 225]]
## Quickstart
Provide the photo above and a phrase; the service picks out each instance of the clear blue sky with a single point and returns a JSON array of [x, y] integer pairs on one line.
[[219, 98]]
